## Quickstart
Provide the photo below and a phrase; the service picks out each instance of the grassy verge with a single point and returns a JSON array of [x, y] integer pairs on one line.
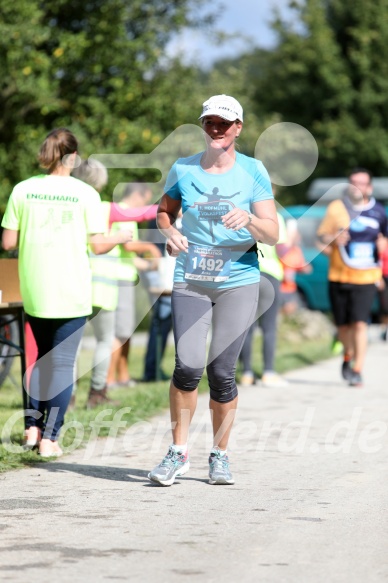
[[295, 350]]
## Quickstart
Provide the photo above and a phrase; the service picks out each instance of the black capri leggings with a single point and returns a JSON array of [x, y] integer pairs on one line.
[[230, 312]]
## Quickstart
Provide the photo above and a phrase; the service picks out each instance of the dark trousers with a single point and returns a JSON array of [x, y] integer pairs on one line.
[[269, 301], [160, 327], [52, 377]]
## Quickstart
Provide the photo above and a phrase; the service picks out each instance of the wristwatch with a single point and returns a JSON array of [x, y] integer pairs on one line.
[[250, 217]]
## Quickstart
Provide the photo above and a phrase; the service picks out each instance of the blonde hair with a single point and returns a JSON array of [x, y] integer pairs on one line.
[[94, 174], [58, 143]]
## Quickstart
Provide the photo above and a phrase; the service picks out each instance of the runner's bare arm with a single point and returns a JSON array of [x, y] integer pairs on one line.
[[167, 214]]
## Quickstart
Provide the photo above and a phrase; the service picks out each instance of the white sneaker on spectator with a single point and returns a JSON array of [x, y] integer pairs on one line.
[[247, 379], [273, 379]]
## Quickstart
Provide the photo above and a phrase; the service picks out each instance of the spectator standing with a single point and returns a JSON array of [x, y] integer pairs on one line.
[[355, 228], [161, 319], [271, 271], [135, 196], [293, 261], [104, 293], [52, 218]]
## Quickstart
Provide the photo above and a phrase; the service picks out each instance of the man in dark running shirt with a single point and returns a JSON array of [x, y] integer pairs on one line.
[[354, 230]]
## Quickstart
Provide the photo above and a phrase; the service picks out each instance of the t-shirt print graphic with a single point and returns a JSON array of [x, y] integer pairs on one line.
[[215, 207]]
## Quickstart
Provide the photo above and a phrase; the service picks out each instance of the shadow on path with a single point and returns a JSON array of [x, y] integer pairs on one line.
[[110, 473], [102, 472]]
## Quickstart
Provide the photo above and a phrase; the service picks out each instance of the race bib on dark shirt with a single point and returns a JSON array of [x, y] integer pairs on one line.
[[361, 250]]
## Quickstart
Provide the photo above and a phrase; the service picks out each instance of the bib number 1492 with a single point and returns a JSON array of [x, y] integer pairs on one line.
[[207, 263]]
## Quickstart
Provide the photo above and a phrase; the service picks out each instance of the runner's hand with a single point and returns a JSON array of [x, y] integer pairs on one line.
[[176, 244], [236, 219], [342, 237]]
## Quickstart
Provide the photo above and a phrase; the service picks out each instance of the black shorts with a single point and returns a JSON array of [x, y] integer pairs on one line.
[[351, 302]]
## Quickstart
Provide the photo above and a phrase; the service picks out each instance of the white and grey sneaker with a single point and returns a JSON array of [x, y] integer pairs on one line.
[[219, 472], [174, 464]]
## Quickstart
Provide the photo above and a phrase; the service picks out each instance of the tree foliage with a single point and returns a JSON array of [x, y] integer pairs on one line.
[[99, 67], [91, 66], [329, 73]]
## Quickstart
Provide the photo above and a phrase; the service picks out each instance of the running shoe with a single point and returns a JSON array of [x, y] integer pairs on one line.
[[174, 464], [247, 379], [355, 379], [346, 370], [272, 379], [219, 472]]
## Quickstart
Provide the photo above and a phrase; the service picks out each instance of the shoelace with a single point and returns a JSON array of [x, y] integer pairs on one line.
[[172, 457], [220, 462]]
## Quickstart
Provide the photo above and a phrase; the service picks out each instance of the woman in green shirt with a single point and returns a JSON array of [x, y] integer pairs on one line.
[[51, 218]]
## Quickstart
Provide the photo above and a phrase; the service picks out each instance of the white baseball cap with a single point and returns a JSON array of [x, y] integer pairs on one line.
[[223, 106]]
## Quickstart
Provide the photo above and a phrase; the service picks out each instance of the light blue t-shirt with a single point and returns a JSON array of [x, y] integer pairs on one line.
[[205, 198]]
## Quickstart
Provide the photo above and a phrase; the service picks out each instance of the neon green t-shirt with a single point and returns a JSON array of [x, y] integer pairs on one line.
[[126, 270], [54, 216], [104, 267], [270, 263]]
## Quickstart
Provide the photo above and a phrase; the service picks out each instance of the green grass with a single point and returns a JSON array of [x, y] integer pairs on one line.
[[145, 400]]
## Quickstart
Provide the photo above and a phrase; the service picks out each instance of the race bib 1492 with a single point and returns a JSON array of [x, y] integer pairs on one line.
[[208, 263]]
